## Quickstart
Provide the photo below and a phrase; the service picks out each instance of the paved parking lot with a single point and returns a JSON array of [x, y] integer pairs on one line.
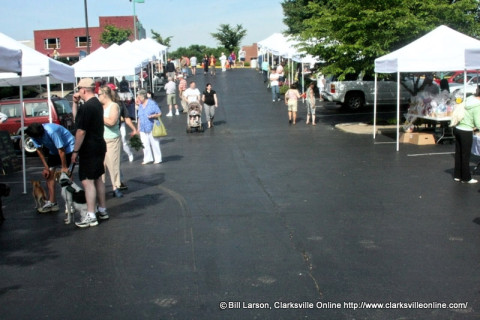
[[258, 217]]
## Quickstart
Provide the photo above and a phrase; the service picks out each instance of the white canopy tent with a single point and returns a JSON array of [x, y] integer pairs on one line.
[[36, 69], [10, 59], [286, 47], [156, 49], [442, 49], [109, 62], [156, 52]]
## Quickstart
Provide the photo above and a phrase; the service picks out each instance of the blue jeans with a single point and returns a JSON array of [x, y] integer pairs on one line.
[[275, 92]]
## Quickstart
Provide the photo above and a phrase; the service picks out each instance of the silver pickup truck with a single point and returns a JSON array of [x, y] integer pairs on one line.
[[355, 94]]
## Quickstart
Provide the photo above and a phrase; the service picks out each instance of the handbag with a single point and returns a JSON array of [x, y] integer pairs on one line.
[[159, 129]]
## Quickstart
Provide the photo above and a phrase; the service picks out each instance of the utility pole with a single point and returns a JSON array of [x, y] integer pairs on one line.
[[86, 27]]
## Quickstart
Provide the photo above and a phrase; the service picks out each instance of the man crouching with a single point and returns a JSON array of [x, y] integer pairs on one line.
[[60, 143]]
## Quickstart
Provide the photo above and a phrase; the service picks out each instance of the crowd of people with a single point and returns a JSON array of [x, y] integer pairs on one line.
[[102, 111], [274, 77]]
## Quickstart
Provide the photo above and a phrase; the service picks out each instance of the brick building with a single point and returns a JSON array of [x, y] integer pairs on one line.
[[251, 52], [69, 42]]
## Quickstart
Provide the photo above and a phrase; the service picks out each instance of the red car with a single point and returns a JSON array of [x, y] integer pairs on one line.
[[456, 76], [34, 110]]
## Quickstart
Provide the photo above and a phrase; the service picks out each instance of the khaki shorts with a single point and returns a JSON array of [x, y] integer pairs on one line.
[[171, 99], [292, 105]]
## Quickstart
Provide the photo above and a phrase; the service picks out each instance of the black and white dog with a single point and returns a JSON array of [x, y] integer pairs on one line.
[[73, 195], [4, 192]]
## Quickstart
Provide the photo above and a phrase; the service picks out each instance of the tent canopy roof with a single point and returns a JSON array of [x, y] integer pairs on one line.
[[283, 46], [442, 49], [10, 59], [35, 67]]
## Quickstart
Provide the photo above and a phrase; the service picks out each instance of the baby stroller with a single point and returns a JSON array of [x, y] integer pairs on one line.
[[194, 117]]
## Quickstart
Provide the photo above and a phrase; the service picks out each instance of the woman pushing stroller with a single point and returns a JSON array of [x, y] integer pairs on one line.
[[194, 110]]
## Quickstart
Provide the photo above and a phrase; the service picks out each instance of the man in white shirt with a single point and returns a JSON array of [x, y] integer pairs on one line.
[[192, 94], [171, 91], [223, 60]]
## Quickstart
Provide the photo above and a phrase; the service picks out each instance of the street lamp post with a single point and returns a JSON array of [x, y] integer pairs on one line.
[[134, 17]]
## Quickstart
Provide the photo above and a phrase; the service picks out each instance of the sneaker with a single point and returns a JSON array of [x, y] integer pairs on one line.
[[169, 114], [157, 162], [273, 100], [471, 181], [87, 220], [117, 193], [48, 207], [177, 113], [123, 186], [103, 215], [456, 179], [130, 158]]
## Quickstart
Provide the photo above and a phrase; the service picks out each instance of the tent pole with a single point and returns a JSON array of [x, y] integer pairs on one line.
[[303, 79], [135, 97], [398, 110], [49, 100], [22, 123], [151, 77], [375, 107]]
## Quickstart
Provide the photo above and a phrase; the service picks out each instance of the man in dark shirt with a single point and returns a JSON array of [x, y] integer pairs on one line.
[[170, 69], [90, 147]]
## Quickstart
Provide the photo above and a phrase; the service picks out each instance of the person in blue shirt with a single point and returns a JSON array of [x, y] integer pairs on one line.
[[60, 143]]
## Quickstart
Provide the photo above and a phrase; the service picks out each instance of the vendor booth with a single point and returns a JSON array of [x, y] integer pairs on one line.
[[36, 69], [452, 51]]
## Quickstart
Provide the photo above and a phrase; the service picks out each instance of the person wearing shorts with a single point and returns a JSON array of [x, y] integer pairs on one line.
[[291, 100], [310, 99], [60, 143], [90, 147], [171, 91]]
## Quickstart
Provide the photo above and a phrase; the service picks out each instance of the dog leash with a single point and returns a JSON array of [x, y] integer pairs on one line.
[[70, 169]]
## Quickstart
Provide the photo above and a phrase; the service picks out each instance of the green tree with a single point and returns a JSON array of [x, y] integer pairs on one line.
[[230, 37], [158, 37], [350, 34], [196, 50], [295, 12], [112, 34]]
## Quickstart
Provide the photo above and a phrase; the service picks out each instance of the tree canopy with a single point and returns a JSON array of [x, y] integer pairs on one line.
[[112, 34], [158, 37], [350, 34], [196, 50], [230, 37]]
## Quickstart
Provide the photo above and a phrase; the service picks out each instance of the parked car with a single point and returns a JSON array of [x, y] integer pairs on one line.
[[34, 110], [456, 88], [357, 91], [456, 76]]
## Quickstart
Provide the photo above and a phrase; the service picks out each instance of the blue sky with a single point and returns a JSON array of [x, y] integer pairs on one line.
[[188, 21]]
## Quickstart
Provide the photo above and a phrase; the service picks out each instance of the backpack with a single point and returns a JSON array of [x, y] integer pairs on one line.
[[458, 114]]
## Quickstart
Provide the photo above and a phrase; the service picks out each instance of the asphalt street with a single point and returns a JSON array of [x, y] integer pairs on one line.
[[256, 219]]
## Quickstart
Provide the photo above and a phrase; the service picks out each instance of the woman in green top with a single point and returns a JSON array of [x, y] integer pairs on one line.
[[111, 120], [463, 138]]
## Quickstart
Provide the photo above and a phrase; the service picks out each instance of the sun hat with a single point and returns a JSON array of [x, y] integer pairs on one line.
[[85, 83]]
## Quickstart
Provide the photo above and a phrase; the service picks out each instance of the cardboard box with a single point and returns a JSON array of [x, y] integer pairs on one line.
[[423, 138], [406, 137], [417, 138]]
